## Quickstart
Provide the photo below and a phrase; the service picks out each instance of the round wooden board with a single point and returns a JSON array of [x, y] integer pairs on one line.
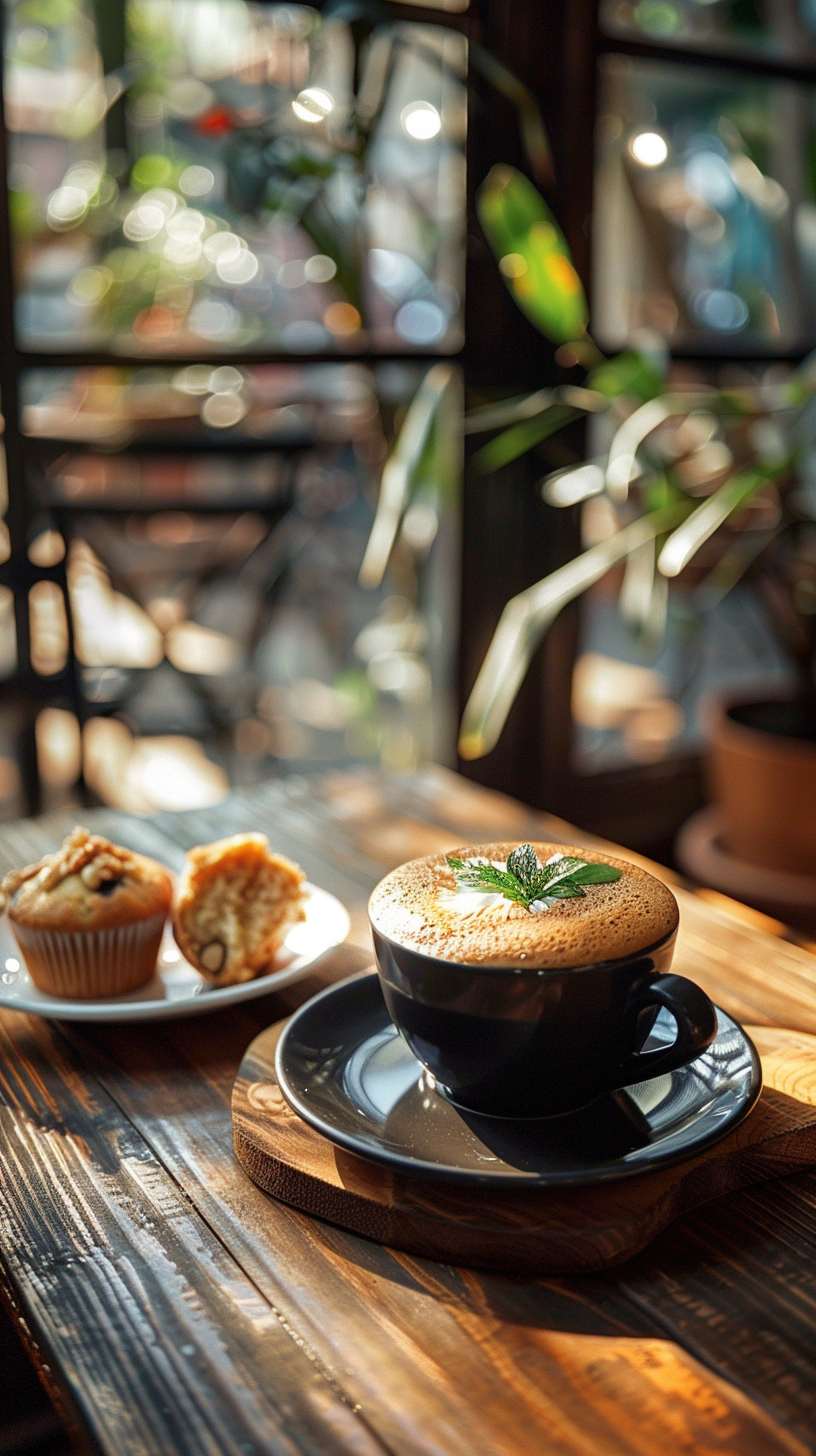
[[541, 1231]]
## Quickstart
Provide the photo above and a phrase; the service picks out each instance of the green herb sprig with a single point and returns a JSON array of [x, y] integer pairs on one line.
[[527, 882]]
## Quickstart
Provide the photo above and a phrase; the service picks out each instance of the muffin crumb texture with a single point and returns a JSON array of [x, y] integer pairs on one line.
[[235, 903], [609, 921]]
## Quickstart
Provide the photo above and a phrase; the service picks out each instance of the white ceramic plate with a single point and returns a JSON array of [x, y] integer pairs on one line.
[[177, 989]]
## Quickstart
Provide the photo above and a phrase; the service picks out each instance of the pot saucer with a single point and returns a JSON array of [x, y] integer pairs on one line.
[[344, 1068]]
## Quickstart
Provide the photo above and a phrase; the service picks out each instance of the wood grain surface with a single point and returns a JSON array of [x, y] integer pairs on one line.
[[554, 1231], [130, 1235]]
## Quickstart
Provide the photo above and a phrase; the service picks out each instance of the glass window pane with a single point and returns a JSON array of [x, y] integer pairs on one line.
[[245, 625], [224, 187], [653, 650], [705, 183], [634, 705], [735, 27]]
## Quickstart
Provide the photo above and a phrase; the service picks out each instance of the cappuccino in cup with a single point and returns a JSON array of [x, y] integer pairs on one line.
[[526, 978]]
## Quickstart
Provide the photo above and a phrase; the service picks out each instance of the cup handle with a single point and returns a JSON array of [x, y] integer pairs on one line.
[[696, 1020]]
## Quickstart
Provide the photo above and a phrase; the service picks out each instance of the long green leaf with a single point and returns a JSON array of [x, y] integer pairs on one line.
[[508, 412], [531, 123], [527, 617], [400, 470], [636, 592], [527, 406], [523, 437], [686, 540], [532, 254], [732, 566], [622, 466], [629, 373]]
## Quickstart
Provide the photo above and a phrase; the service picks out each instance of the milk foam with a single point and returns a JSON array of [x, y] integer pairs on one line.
[[420, 906]]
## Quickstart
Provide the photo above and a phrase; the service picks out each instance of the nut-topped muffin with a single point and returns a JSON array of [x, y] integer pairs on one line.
[[89, 918]]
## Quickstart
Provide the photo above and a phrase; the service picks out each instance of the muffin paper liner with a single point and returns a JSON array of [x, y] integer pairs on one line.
[[85, 965]]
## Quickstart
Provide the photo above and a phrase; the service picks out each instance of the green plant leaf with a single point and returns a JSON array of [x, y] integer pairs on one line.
[[527, 617], [471, 875], [732, 566], [596, 874], [558, 869], [508, 412], [686, 540], [516, 441], [401, 470], [629, 373], [533, 254], [523, 863], [531, 123]]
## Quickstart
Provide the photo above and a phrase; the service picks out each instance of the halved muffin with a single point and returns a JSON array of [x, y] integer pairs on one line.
[[235, 902]]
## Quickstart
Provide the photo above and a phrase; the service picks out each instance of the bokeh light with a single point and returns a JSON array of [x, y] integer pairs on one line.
[[313, 105], [421, 120], [649, 148]]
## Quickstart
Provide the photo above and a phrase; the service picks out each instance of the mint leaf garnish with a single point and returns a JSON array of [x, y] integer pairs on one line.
[[595, 874], [471, 875], [523, 863], [526, 881]]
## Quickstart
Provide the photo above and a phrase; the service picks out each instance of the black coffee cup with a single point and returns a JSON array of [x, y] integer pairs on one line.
[[535, 1042]]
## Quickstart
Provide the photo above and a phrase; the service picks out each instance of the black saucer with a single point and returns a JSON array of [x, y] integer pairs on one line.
[[343, 1067]]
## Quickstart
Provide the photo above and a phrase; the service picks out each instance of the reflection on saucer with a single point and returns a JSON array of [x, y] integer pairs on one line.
[[346, 1070]]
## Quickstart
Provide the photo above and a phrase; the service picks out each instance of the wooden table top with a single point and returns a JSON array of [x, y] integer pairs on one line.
[[173, 1308]]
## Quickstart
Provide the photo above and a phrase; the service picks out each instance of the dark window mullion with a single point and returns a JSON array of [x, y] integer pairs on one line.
[[772, 67]]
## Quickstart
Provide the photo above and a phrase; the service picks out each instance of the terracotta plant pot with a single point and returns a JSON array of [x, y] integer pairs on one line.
[[757, 841], [763, 780]]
